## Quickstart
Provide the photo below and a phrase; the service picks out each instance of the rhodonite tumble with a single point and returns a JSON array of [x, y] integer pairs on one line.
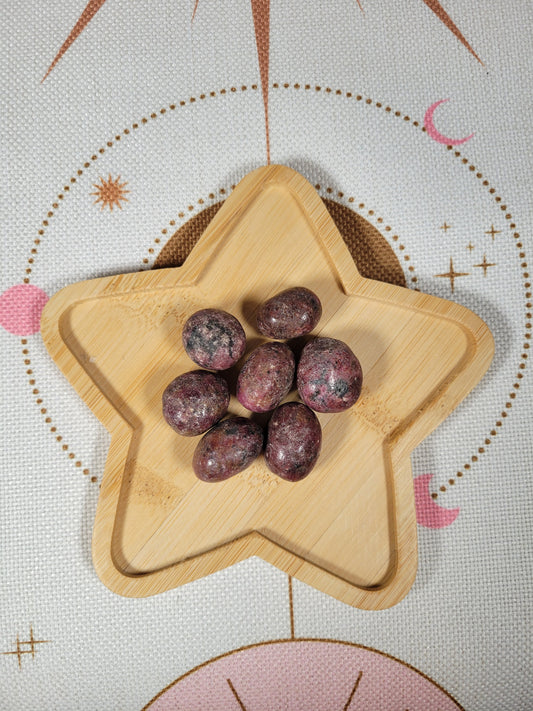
[[293, 441], [266, 377], [194, 401], [214, 339], [228, 448], [289, 314], [329, 376]]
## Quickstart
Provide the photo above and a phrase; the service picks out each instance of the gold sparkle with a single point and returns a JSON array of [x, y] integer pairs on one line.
[[21, 647], [485, 265], [492, 232], [452, 275]]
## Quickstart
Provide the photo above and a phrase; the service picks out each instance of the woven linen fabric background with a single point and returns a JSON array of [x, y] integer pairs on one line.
[[170, 112]]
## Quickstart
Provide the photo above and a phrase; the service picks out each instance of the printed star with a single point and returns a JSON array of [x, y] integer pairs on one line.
[[492, 232], [110, 192], [349, 528], [452, 275], [485, 265], [22, 647], [445, 227]]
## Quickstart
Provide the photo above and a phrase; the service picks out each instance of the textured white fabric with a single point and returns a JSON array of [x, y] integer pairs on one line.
[[466, 623]]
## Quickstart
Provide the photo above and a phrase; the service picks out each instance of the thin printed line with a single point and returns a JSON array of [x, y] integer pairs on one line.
[[236, 695], [291, 607], [18, 652], [352, 693]]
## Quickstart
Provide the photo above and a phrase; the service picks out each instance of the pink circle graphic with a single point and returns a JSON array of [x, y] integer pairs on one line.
[[298, 675], [20, 309], [428, 512]]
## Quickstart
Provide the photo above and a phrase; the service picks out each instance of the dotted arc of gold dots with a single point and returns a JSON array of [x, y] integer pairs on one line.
[[39, 401], [329, 191], [181, 216], [103, 149], [60, 200], [349, 95], [371, 213], [527, 336], [172, 107], [503, 207]]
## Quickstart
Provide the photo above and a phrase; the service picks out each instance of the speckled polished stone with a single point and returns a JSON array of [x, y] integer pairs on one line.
[[266, 377], [194, 401], [294, 440], [228, 448], [289, 314], [213, 339], [329, 376]]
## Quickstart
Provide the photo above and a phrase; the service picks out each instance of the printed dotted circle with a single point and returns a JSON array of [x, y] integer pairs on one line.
[[527, 335], [362, 100], [182, 217], [44, 412]]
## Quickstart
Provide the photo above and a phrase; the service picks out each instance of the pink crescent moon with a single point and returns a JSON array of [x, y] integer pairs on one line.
[[428, 513], [436, 135]]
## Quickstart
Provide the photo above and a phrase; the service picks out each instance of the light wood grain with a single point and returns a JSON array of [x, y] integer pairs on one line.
[[349, 528]]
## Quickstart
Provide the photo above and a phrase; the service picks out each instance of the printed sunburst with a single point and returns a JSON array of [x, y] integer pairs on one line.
[[261, 20], [110, 192]]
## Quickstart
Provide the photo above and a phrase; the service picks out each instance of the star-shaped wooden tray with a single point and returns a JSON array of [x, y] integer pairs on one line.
[[349, 528]]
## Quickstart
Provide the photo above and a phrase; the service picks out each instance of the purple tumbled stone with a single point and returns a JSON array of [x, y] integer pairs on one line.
[[213, 339], [194, 401], [289, 314], [294, 440], [228, 448], [266, 377], [329, 375]]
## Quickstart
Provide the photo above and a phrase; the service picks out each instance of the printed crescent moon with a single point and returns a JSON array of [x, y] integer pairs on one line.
[[436, 135], [429, 513]]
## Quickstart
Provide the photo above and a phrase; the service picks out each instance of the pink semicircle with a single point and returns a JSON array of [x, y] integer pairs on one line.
[[428, 512], [436, 135], [299, 675], [20, 309]]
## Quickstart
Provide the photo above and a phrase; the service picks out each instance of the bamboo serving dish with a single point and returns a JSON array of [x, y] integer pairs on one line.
[[349, 528]]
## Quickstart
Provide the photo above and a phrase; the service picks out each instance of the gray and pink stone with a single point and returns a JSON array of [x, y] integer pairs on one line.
[[266, 377], [329, 376], [289, 314], [213, 339], [294, 439], [228, 448], [194, 401]]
